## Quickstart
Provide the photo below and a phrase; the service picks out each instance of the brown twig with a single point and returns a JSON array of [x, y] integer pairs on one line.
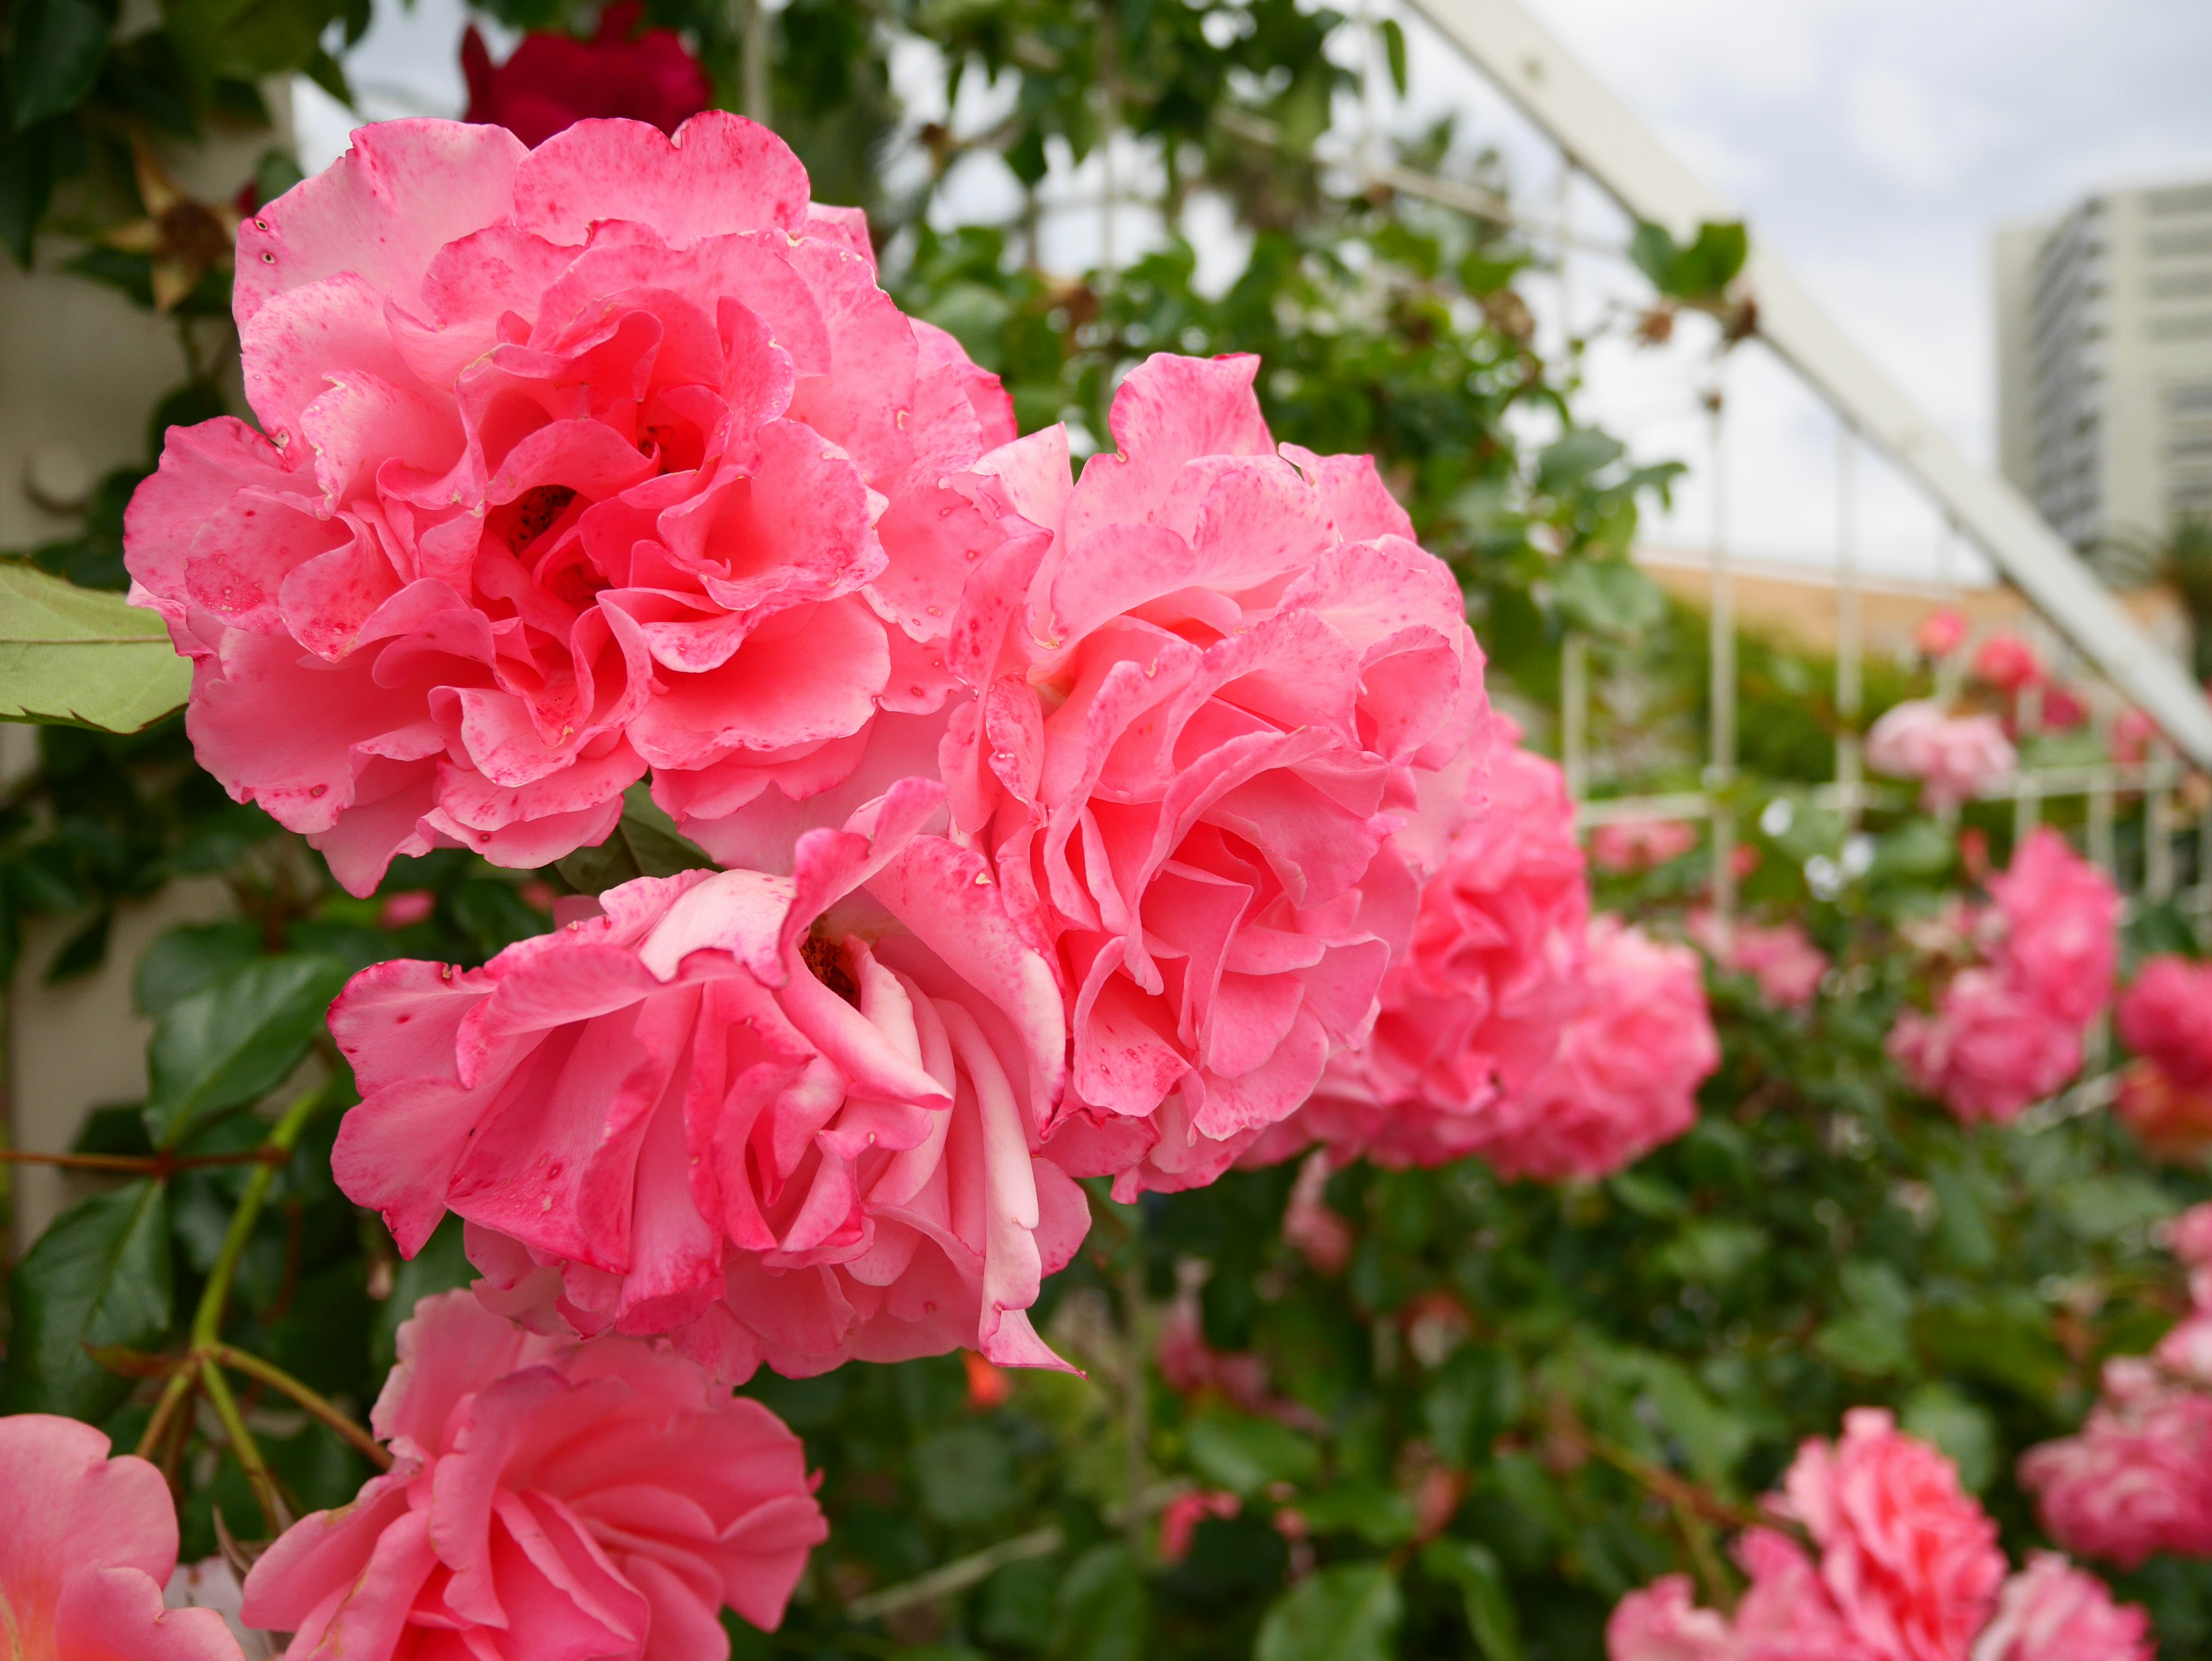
[[157, 1165], [318, 1406]]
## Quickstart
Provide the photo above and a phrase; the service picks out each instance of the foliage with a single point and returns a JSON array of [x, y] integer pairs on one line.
[[1513, 1403]]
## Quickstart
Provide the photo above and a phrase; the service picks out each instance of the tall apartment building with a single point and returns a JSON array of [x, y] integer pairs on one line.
[[2104, 362]]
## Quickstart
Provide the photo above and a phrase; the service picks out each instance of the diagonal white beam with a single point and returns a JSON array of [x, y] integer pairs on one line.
[[1607, 142]]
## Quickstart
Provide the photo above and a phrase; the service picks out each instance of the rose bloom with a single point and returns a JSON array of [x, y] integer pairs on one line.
[[1633, 845], [782, 1118], [1181, 1516], [553, 80], [87, 1543], [2166, 1017], [1625, 1075], [2062, 917], [2007, 662], [584, 460], [2171, 1120], [1227, 713], [546, 1499], [1310, 1225], [1955, 758], [2130, 741], [1662, 1622], [2189, 1237], [1940, 633], [1781, 958], [1989, 1052], [2051, 1612], [1475, 1008], [1909, 1556], [2137, 1478]]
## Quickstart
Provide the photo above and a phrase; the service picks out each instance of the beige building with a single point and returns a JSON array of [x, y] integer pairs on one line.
[[2104, 362]]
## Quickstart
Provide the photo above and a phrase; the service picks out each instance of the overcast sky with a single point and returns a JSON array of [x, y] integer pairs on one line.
[[1873, 144]]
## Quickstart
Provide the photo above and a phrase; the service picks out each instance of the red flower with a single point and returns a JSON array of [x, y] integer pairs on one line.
[[553, 80]]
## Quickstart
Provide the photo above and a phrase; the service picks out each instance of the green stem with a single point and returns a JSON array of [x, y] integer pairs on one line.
[[276, 1378], [174, 1395], [242, 1444], [206, 1324]]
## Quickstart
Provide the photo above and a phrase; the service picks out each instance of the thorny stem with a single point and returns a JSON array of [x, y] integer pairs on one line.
[[174, 1395]]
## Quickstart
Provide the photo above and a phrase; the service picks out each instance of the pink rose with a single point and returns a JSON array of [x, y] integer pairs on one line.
[[1788, 1613], [1988, 1051], [1320, 1236], [546, 1499], [1475, 1008], [1782, 957], [2137, 1478], [87, 1543], [1940, 633], [1910, 1557], [1633, 845], [1662, 1622], [605, 457], [2166, 1017], [2061, 918], [783, 1118], [2130, 741], [2173, 1120], [2189, 1237], [1625, 1075], [1955, 758], [2051, 1612], [2007, 662], [1181, 1516], [1227, 713], [552, 80]]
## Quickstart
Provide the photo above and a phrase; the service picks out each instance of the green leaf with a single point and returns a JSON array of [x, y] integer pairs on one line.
[[1393, 49], [1705, 268], [645, 844], [1344, 1612], [183, 959], [1490, 1613], [233, 1042], [1714, 1438], [1607, 597], [76, 658], [100, 1274], [1244, 1454], [1570, 460], [1104, 1610], [1653, 252], [1961, 1427], [966, 1475], [54, 53], [1474, 1396], [1874, 1338], [26, 185], [1375, 1511]]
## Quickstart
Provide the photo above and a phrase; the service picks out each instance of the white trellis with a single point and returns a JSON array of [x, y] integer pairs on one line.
[[1598, 136]]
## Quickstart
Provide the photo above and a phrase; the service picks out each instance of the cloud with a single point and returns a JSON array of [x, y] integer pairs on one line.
[[1923, 140]]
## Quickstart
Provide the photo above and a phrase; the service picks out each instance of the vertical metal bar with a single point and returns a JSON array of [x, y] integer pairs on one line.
[[1720, 773], [2102, 803], [1849, 630], [1574, 713], [754, 92], [2158, 824]]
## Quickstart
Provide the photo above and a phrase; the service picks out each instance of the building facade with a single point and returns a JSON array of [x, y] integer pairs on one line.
[[2104, 362]]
